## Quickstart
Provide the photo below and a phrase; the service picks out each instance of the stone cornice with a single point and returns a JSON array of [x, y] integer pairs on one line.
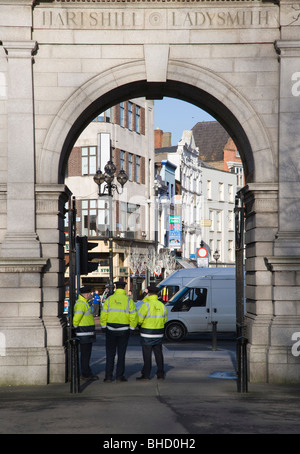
[[286, 48], [21, 265], [284, 263], [19, 49]]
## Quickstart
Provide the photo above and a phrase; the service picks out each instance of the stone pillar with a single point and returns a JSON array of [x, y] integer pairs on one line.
[[20, 239], [284, 263], [261, 227], [24, 359], [50, 201]]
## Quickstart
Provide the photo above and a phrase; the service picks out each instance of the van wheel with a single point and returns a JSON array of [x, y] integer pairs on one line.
[[175, 331]]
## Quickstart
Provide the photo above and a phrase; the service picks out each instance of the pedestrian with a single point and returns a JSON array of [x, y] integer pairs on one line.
[[118, 317], [96, 303], [104, 295], [84, 324], [152, 317]]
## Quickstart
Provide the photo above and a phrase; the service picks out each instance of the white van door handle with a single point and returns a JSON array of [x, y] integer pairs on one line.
[[207, 310], [215, 309]]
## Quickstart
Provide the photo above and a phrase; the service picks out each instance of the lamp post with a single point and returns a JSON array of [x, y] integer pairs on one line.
[[216, 257], [108, 177]]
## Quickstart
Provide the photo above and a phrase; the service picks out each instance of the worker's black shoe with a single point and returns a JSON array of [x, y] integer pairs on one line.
[[121, 379], [90, 378], [142, 378]]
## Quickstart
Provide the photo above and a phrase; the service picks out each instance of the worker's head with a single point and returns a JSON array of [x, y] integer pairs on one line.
[[120, 284], [153, 290], [86, 291]]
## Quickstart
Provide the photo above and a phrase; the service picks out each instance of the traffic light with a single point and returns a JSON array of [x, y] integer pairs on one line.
[[86, 259]]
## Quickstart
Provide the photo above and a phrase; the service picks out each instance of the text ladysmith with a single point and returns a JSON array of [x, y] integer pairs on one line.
[[208, 18]]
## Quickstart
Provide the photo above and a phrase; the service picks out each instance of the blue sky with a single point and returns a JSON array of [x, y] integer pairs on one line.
[[173, 115]]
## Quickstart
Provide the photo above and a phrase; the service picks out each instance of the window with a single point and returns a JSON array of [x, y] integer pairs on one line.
[[122, 160], [137, 169], [221, 192], [133, 217], [239, 174], [130, 222], [212, 218], [122, 116], [230, 220], [188, 298], [172, 193], [88, 160], [230, 251], [219, 221], [138, 119], [104, 116], [95, 217], [130, 160], [209, 189], [167, 292], [219, 248], [130, 126]]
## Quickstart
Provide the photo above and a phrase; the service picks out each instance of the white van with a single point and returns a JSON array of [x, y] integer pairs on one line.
[[206, 299], [171, 284]]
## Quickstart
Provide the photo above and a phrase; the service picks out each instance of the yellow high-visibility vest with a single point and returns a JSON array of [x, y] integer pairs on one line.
[[152, 317], [119, 312]]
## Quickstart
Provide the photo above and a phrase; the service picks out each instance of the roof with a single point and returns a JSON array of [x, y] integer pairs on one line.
[[172, 149], [210, 137]]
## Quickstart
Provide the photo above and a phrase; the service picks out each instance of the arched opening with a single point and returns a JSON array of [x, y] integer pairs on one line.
[[173, 89], [208, 92], [178, 90]]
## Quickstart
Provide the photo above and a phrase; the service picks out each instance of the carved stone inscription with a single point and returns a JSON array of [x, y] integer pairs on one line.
[[186, 18]]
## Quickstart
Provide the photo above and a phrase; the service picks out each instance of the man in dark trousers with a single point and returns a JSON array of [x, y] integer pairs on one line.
[[118, 317], [152, 317], [84, 324]]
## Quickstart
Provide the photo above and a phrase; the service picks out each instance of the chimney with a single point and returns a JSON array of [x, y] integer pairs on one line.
[[161, 139], [158, 138]]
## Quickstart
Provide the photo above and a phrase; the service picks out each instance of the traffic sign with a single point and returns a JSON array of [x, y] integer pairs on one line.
[[202, 262], [157, 270], [202, 252]]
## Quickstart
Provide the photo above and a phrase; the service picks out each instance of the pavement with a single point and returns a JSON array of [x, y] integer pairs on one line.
[[198, 396]]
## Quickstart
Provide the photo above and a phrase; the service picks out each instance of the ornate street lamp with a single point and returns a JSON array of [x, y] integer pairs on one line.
[[108, 177], [216, 257]]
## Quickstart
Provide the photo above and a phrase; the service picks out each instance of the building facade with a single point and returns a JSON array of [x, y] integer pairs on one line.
[[124, 134], [205, 201], [217, 214]]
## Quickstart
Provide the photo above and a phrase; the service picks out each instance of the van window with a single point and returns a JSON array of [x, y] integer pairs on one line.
[[167, 292], [192, 297]]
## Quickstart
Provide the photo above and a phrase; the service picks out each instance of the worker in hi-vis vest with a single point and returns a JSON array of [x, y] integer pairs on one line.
[[152, 317], [118, 317], [84, 324]]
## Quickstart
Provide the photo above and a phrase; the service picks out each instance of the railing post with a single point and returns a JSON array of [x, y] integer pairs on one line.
[[242, 372]]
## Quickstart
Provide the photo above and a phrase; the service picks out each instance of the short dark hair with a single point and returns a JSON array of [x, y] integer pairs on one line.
[[120, 284], [85, 289]]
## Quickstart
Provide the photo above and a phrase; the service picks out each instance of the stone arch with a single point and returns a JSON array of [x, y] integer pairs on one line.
[[185, 81]]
